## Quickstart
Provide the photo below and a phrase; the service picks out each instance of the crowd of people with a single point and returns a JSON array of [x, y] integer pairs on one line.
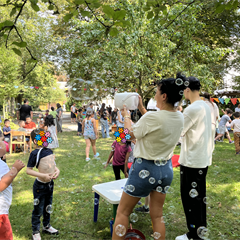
[[150, 150]]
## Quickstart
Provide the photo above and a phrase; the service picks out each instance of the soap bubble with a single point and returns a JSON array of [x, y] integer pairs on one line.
[[120, 230], [159, 181], [157, 163], [130, 188], [167, 189], [152, 180], [202, 232], [156, 235], [200, 172], [139, 160], [143, 174], [181, 172], [181, 92], [18, 106], [159, 189], [49, 209], [193, 193], [205, 200], [133, 217], [96, 201], [178, 81], [194, 184], [36, 201], [164, 162], [13, 171]]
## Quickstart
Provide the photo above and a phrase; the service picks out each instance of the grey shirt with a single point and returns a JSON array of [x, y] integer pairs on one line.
[[224, 120]]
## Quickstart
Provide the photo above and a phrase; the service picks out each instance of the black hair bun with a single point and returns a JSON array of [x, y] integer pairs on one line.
[[181, 75]]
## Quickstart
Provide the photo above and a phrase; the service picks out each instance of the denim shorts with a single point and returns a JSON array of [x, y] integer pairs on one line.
[[148, 175]]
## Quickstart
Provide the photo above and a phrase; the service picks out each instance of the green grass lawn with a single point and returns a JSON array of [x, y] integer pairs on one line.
[[73, 199]]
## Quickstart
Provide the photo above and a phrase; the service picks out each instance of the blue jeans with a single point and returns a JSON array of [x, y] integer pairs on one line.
[[79, 127], [44, 193], [104, 125]]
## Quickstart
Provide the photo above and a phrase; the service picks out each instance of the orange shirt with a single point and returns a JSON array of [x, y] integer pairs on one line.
[[30, 125]]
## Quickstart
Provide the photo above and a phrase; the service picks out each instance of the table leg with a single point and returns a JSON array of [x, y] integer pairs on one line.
[[115, 206], [96, 205]]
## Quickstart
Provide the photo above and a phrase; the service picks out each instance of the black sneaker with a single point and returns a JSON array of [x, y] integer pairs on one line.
[[142, 209]]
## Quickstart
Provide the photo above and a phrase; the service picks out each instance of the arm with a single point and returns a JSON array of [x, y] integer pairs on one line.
[[31, 113], [47, 177], [126, 164], [83, 123], [224, 112], [109, 158], [141, 107], [127, 122], [56, 173], [60, 114], [8, 178], [95, 127]]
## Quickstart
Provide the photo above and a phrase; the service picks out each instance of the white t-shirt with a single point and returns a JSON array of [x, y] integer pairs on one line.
[[73, 108], [237, 109], [5, 195], [157, 133], [214, 111], [197, 142], [236, 125]]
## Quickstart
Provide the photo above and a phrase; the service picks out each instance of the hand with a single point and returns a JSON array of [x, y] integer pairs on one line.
[[19, 165], [56, 174], [126, 175], [106, 165], [140, 104], [124, 111], [47, 177], [96, 137]]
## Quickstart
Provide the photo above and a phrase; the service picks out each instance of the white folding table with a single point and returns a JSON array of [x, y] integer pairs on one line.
[[110, 191]]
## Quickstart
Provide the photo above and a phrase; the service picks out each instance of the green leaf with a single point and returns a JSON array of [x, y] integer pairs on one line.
[[96, 5], [119, 15], [113, 32], [235, 4], [220, 8], [31, 60], [75, 13], [50, 7], [85, 14], [150, 15], [13, 12], [8, 23], [78, 2], [146, 8], [17, 51], [20, 44], [108, 10], [35, 7], [126, 23], [67, 17]]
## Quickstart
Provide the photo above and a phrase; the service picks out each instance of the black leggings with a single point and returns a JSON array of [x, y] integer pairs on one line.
[[117, 169]]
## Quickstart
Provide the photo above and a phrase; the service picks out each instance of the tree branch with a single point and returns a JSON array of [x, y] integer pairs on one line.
[[176, 16], [19, 13]]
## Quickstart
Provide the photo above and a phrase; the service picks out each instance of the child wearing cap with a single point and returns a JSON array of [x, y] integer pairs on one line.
[[43, 159]]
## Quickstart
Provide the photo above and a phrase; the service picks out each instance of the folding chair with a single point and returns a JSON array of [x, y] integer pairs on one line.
[[17, 134]]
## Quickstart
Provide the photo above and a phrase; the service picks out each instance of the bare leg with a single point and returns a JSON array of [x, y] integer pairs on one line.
[[88, 145], [125, 208], [228, 136], [147, 200], [93, 142], [218, 136], [156, 212]]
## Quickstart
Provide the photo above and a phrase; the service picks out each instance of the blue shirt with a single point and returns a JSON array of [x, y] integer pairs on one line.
[[6, 129]]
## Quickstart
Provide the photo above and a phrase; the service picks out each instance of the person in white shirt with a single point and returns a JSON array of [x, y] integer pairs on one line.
[[237, 109], [236, 131], [195, 157], [6, 178], [73, 113], [157, 133]]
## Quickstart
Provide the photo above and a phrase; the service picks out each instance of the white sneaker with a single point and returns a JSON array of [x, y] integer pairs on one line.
[[97, 155], [182, 237], [36, 236], [50, 230], [88, 159]]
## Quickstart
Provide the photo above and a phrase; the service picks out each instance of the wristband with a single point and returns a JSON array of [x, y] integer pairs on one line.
[[127, 117]]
